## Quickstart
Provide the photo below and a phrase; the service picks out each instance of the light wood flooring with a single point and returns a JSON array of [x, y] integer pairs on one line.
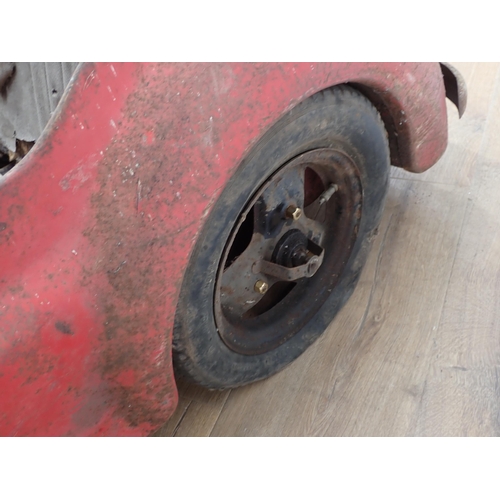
[[416, 350]]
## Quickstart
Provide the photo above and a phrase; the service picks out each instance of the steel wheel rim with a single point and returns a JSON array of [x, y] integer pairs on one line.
[[253, 321]]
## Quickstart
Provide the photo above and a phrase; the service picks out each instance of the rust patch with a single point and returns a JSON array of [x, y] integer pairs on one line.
[[64, 327], [15, 211], [136, 256]]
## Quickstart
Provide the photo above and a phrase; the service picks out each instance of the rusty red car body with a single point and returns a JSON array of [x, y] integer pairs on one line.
[[98, 221]]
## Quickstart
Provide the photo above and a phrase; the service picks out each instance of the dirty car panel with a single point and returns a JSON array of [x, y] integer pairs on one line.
[[98, 221]]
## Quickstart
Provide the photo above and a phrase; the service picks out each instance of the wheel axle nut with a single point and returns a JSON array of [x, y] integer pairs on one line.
[[261, 287], [293, 212]]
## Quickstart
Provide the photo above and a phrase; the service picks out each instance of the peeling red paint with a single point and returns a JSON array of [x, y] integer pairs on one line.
[[97, 224]]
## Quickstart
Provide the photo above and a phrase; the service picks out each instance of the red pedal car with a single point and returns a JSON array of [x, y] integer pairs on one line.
[[211, 218]]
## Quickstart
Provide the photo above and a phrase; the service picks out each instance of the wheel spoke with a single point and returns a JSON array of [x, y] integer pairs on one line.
[[313, 229], [239, 292], [286, 191]]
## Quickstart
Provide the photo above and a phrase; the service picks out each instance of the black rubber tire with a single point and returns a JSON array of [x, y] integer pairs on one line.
[[339, 117]]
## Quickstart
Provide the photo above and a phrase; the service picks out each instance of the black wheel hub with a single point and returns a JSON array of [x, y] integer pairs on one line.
[[291, 249]]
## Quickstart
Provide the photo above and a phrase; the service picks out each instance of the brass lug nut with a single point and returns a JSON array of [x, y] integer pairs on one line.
[[293, 212], [261, 286]]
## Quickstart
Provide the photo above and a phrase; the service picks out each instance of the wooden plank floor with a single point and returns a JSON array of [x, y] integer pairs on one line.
[[416, 350]]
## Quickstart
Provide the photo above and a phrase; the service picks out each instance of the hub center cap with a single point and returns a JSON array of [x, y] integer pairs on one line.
[[291, 250]]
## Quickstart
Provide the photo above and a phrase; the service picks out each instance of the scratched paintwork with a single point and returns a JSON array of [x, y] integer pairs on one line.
[[97, 224]]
